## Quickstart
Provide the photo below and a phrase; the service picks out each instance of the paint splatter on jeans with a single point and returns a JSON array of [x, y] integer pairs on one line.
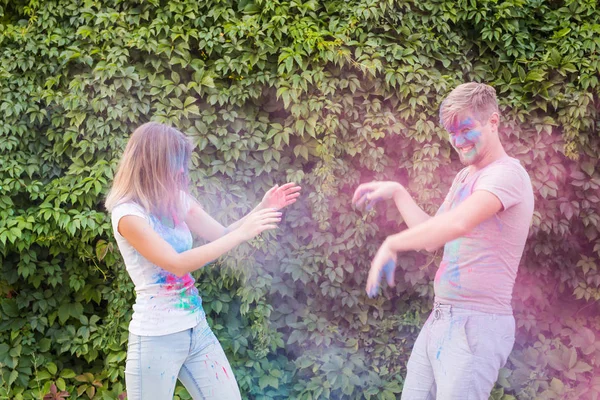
[[458, 355], [194, 356]]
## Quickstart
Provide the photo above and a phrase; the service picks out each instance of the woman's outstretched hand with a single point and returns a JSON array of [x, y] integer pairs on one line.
[[257, 222], [279, 197]]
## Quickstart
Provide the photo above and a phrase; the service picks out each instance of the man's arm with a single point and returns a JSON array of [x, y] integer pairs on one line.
[[434, 232], [371, 192], [450, 225], [411, 213]]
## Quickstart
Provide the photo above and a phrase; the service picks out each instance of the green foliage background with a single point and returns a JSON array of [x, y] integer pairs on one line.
[[324, 93]]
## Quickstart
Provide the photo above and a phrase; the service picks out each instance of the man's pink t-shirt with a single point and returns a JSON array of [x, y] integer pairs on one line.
[[478, 270]]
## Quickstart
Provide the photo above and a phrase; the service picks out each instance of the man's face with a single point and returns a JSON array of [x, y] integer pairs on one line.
[[469, 137]]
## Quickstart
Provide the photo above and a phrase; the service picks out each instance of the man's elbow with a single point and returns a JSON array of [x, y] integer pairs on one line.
[[457, 229], [460, 229]]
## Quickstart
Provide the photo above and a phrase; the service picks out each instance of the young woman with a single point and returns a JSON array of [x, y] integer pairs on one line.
[[153, 217]]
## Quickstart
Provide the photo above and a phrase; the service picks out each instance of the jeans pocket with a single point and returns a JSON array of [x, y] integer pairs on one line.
[[133, 346], [509, 330], [205, 340], [471, 334]]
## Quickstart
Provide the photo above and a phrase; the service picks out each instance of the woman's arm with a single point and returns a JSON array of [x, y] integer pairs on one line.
[[159, 252], [203, 225]]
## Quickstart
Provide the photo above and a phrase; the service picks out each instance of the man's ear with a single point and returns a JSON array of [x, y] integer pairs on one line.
[[494, 120]]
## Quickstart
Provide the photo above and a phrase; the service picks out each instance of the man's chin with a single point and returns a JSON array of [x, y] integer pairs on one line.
[[467, 161]]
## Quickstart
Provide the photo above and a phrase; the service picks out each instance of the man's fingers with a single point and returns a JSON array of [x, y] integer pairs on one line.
[[365, 196], [372, 288], [389, 268], [373, 282], [375, 276], [364, 187], [372, 201], [358, 195]]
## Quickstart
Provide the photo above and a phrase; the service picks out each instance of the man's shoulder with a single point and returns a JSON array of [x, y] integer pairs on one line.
[[507, 165], [461, 174]]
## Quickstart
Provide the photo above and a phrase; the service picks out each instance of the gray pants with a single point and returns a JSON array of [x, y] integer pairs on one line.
[[458, 354]]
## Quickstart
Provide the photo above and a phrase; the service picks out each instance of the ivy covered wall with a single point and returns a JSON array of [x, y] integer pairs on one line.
[[328, 94]]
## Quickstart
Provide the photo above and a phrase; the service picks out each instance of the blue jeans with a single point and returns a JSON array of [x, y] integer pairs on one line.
[[458, 354], [194, 356]]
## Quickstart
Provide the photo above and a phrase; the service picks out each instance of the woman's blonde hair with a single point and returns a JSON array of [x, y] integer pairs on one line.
[[153, 171], [478, 99]]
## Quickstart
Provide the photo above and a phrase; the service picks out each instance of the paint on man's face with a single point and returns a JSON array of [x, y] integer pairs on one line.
[[465, 137]]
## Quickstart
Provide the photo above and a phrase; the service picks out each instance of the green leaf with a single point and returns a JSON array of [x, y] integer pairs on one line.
[[64, 312], [51, 367], [562, 33], [60, 384], [537, 76], [44, 345], [67, 373], [12, 377]]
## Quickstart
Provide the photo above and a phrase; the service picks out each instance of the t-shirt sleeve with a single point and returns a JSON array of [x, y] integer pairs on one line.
[[504, 181], [186, 201], [125, 209]]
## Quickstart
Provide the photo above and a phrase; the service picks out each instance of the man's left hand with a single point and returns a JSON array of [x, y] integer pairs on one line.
[[379, 265]]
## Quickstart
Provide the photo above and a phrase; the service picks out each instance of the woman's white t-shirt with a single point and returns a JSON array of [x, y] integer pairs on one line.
[[164, 303]]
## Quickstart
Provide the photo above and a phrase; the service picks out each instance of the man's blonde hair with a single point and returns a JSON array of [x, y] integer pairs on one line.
[[153, 171], [478, 99]]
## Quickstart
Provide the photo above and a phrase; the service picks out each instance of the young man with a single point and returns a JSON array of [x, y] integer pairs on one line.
[[483, 225]]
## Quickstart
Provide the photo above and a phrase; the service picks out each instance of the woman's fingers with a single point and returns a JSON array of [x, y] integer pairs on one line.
[[288, 186], [267, 227], [292, 196], [292, 190], [270, 191], [269, 213], [270, 221]]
